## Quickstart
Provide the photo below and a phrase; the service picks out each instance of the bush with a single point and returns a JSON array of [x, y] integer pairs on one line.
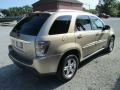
[[118, 14], [93, 11], [10, 19]]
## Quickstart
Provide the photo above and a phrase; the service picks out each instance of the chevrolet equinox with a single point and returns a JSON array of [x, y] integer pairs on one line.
[[56, 42]]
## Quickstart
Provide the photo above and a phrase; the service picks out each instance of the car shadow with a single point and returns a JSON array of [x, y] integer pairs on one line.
[[13, 78], [83, 63], [117, 85]]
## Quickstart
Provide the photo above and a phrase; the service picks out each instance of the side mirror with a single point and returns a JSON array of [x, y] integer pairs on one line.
[[106, 27]]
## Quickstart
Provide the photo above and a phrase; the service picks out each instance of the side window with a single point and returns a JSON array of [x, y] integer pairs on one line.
[[83, 23], [96, 23], [60, 25]]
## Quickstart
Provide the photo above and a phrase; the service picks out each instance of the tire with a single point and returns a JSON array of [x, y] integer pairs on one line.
[[110, 45], [67, 67]]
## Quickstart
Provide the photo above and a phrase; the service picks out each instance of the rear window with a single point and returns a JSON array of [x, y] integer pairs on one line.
[[83, 23], [31, 24]]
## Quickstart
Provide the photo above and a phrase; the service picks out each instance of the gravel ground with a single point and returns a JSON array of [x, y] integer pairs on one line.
[[100, 72]]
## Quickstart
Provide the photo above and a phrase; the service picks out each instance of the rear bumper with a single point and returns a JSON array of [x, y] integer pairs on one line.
[[44, 65]]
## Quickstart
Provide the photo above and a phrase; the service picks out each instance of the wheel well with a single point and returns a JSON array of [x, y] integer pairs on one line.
[[74, 51], [110, 38], [113, 36]]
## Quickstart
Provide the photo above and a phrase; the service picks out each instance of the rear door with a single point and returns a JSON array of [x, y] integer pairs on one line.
[[59, 36], [84, 34], [101, 36]]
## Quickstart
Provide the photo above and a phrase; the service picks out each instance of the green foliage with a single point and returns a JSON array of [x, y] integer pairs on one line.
[[110, 7], [118, 10], [17, 11], [10, 19], [93, 11]]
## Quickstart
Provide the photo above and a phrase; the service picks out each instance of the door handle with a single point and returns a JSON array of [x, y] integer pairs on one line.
[[79, 36]]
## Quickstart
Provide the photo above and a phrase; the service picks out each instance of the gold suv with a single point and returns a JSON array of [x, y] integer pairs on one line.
[[56, 42]]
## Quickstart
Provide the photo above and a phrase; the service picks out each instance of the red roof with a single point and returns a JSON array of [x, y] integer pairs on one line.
[[51, 1]]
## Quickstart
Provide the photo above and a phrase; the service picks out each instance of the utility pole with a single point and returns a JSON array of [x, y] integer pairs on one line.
[[99, 6], [100, 2]]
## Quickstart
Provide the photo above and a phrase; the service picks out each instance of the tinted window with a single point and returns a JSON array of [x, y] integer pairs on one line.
[[97, 24], [61, 25], [31, 24], [83, 23]]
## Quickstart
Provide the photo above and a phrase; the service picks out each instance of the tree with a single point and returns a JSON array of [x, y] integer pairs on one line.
[[17, 11], [118, 9], [93, 11], [109, 7]]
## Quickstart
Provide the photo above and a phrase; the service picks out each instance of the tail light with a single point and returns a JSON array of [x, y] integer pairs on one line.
[[42, 48]]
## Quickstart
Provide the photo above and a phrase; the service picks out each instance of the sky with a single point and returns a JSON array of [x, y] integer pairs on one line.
[[91, 3], [4, 4]]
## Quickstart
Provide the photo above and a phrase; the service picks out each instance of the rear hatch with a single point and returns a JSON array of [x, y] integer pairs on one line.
[[24, 34]]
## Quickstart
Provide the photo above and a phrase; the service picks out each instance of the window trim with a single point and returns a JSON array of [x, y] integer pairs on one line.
[[99, 20], [56, 19], [76, 21]]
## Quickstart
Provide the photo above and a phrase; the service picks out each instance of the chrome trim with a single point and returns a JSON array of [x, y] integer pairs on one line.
[[92, 54], [26, 42], [94, 43], [101, 41], [89, 45]]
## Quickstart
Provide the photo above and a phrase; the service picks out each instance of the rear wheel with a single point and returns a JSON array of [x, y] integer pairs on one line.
[[67, 68]]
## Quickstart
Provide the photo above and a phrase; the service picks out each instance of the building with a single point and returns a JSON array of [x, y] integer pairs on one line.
[[49, 5]]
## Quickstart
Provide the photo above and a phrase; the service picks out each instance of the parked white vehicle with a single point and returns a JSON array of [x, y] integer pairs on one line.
[[2, 15]]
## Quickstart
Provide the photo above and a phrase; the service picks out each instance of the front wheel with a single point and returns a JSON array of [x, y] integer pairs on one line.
[[67, 68], [110, 45]]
